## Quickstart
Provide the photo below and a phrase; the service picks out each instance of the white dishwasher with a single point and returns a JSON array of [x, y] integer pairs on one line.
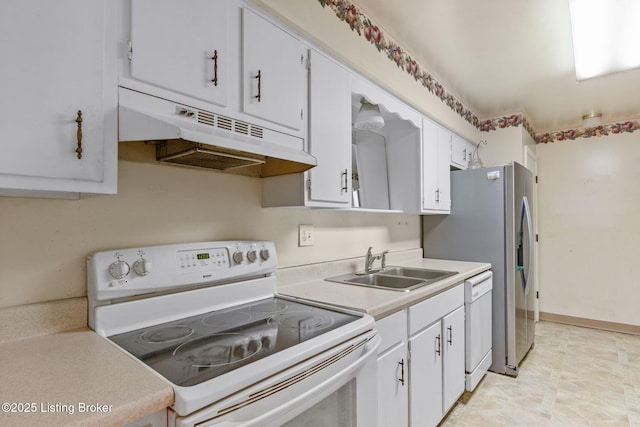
[[478, 332]]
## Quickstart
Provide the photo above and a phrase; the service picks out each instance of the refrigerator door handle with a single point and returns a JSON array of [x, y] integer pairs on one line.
[[526, 212]]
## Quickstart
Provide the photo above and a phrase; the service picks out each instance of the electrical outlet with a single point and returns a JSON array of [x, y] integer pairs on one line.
[[305, 235]]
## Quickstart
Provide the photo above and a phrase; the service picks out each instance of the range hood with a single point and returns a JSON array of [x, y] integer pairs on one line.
[[191, 136]]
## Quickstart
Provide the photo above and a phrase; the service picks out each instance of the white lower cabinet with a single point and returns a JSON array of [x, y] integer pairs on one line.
[[393, 384], [421, 361], [436, 356], [426, 377], [453, 372]]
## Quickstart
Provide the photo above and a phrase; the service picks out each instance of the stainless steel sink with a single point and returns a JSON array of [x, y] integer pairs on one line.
[[418, 273], [394, 278]]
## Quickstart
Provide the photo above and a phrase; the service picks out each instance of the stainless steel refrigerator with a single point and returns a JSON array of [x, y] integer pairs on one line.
[[491, 221]]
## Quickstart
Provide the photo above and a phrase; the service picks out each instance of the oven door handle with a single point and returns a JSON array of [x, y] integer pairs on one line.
[[290, 406]]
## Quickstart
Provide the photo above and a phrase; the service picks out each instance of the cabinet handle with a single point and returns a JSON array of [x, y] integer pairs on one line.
[[79, 134], [438, 345], [464, 154], [450, 340], [438, 195], [215, 68], [401, 379], [259, 77], [345, 185]]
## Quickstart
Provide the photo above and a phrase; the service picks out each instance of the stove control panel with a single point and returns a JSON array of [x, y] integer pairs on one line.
[[137, 271], [203, 259]]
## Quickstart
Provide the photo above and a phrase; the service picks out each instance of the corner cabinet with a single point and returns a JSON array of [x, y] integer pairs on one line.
[[58, 110], [329, 136], [461, 152], [436, 155]]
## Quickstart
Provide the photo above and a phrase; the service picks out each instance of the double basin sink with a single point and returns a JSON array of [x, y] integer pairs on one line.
[[394, 278]]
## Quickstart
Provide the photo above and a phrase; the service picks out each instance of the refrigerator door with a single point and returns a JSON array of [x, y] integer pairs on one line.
[[524, 315]]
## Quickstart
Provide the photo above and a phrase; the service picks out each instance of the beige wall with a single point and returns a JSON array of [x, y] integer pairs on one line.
[[320, 25], [44, 242], [589, 225], [504, 146]]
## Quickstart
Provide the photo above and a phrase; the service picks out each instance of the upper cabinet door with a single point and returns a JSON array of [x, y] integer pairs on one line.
[[461, 152], [59, 93], [274, 73], [430, 169], [329, 131], [436, 155], [182, 46]]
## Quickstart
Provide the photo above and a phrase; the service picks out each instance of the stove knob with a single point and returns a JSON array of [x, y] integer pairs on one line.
[[254, 346], [265, 254], [240, 351], [266, 342], [142, 267], [237, 257], [119, 269], [252, 256]]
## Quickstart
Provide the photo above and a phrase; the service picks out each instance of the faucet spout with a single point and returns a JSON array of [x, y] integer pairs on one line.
[[371, 257]]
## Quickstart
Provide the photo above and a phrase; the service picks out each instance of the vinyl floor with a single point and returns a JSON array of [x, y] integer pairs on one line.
[[573, 376]]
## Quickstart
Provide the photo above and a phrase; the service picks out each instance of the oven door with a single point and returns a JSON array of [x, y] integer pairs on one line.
[[335, 388]]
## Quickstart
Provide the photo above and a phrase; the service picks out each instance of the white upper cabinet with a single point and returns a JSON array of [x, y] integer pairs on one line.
[[274, 73], [461, 151], [436, 155], [329, 131], [59, 95], [329, 183], [217, 56], [183, 47]]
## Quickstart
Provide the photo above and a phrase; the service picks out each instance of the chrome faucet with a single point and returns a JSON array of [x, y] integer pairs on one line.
[[371, 257]]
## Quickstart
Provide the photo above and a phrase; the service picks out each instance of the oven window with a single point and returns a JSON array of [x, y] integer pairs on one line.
[[337, 410]]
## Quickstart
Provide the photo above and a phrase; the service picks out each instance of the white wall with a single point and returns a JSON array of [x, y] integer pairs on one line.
[[590, 228], [43, 243]]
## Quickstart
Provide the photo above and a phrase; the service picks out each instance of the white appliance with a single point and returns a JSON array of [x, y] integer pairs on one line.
[[478, 333], [206, 316]]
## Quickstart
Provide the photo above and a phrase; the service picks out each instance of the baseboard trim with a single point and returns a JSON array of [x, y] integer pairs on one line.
[[591, 323]]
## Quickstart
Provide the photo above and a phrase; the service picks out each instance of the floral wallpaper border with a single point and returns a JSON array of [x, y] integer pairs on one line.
[[364, 27], [602, 130], [361, 24]]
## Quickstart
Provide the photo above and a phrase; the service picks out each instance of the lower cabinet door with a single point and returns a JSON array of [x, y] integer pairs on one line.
[[453, 365], [393, 388], [425, 371]]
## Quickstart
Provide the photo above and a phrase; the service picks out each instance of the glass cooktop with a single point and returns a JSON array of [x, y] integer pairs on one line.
[[195, 349]]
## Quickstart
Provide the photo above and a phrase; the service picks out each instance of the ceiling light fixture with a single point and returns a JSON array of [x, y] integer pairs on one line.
[[592, 120], [606, 36], [369, 117]]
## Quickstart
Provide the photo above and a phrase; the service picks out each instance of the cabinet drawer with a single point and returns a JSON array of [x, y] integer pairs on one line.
[[425, 313], [392, 330]]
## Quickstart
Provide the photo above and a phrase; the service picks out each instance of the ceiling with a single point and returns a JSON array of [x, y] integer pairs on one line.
[[500, 57]]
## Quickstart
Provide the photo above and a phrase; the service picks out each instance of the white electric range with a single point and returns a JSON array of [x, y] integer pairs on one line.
[[206, 316]]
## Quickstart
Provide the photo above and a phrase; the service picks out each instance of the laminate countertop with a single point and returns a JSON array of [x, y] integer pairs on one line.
[[74, 378], [380, 303]]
